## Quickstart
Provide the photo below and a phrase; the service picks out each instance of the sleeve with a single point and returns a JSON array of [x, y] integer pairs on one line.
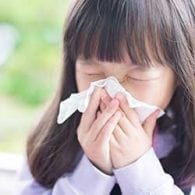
[[193, 190], [146, 177], [85, 180]]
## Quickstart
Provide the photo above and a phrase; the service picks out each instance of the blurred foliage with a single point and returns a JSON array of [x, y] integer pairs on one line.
[[30, 75]]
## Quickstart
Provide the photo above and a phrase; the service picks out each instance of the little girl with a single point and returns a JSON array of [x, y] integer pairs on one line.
[[149, 47]]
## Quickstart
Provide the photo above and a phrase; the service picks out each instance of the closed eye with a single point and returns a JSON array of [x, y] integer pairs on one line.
[[142, 80], [94, 74], [127, 79]]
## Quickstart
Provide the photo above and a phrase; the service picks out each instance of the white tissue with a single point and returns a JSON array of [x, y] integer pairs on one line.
[[80, 101]]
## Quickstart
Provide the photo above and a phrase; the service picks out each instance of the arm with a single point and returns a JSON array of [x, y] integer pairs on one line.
[[146, 177], [85, 180]]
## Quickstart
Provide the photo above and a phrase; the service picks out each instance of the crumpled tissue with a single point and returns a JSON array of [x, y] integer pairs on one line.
[[80, 101]]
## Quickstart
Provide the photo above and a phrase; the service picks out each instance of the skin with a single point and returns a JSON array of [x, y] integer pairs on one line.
[[109, 125]]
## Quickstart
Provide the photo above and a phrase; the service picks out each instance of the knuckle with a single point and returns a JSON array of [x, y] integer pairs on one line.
[[111, 123], [79, 137], [95, 126], [95, 97], [84, 118], [108, 112], [96, 92]]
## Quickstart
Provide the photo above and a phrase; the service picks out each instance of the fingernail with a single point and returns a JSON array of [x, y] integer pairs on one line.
[[104, 96], [103, 92], [120, 96], [157, 112], [97, 90], [113, 103]]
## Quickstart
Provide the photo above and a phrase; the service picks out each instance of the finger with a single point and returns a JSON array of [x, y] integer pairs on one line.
[[150, 122], [123, 121], [102, 105], [90, 114], [105, 93], [108, 129], [98, 114], [129, 112], [113, 141], [101, 121], [119, 134], [106, 99], [126, 126]]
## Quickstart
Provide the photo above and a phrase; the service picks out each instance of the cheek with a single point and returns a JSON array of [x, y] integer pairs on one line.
[[158, 94], [82, 83]]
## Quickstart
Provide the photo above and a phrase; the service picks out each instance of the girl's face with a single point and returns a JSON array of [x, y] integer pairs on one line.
[[153, 85]]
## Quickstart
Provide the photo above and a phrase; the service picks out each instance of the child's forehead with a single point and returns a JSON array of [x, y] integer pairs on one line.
[[126, 63], [125, 59]]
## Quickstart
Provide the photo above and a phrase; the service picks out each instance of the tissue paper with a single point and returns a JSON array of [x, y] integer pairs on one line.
[[80, 101]]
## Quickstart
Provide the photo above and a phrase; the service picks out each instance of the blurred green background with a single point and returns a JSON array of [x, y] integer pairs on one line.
[[29, 76]]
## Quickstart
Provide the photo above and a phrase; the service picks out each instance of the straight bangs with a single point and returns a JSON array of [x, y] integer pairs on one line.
[[105, 29]]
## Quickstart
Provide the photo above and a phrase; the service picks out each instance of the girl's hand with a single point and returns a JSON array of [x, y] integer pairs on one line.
[[95, 130], [130, 140]]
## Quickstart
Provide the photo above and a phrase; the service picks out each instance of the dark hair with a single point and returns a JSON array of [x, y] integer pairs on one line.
[[157, 29]]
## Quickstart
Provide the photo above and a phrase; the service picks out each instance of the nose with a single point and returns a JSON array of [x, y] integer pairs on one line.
[[119, 71], [120, 77]]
